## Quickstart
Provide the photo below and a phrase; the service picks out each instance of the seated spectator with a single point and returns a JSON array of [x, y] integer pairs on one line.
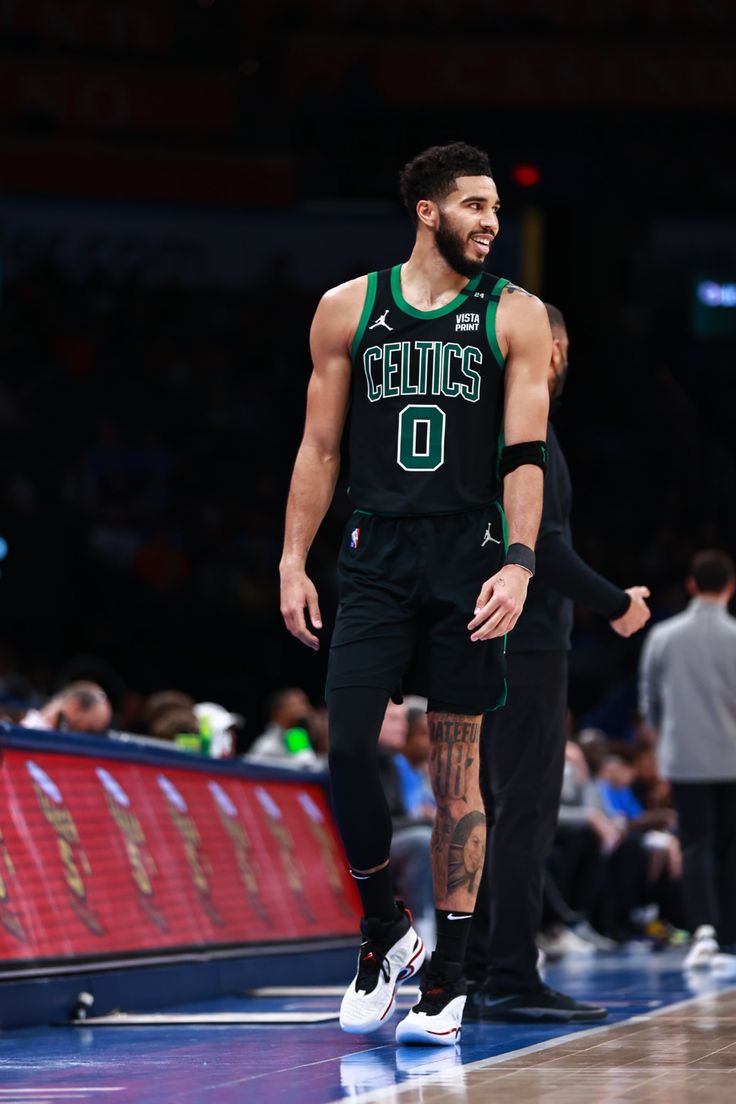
[[595, 746], [653, 830], [651, 790], [162, 701], [411, 761], [177, 724], [285, 740], [319, 734], [599, 861], [615, 785], [218, 729], [80, 707], [575, 880]]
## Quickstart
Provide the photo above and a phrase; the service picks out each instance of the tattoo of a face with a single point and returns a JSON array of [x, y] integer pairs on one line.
[[452, 755], [467, 851]]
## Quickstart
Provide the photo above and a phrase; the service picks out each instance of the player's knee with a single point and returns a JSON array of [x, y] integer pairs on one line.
[[345, 757]]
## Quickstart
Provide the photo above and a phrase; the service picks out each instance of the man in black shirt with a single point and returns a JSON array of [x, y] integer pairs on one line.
[[524, 748]]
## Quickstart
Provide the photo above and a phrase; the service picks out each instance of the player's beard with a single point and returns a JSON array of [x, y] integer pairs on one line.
[[451, 247]]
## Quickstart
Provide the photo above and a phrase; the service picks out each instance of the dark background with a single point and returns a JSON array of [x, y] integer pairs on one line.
[[180, 181]]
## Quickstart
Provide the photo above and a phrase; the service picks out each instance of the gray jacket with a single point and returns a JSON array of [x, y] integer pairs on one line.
[[687, 690]]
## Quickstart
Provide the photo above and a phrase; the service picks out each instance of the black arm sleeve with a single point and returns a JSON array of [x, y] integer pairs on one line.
[[560, 567]]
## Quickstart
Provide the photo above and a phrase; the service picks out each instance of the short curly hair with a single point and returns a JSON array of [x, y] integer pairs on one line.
[[433, 172]]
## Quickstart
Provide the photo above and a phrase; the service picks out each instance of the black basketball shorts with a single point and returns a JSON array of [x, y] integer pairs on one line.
[[407, 590]]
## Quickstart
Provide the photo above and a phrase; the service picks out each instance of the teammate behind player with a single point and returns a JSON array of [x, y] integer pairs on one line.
[[440, 363]]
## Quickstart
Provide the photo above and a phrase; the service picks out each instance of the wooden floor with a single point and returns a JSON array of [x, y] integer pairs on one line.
[[681, 1056]]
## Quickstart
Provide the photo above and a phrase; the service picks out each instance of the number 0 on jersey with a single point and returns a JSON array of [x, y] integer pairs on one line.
[[421, 444]]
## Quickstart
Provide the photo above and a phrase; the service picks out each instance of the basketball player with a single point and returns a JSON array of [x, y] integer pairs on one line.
[[440, 364]]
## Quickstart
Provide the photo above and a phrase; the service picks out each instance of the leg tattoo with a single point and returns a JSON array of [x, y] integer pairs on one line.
[[459, 834]]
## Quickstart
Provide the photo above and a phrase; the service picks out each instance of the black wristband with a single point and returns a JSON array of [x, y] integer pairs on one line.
[[523, 556], [526, 452]]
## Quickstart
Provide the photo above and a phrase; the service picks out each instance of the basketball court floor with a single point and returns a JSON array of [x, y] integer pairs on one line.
[[670, 1039]]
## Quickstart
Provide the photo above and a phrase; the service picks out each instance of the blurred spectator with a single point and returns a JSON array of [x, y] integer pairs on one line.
[[576, 878], [79, 707], [613, 862], [319, 734], [651, 790], [165, 699], [688, 696], [218, 727], [285, 739], [615, 785], [653, 828], [174, 723], [160, 703], [594, 744], [412, 764]]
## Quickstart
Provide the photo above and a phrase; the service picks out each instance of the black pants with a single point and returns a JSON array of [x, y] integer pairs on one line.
[[707, 819], [522, 759]]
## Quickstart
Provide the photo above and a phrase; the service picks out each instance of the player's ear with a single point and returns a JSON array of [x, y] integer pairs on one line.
[[428, 213]]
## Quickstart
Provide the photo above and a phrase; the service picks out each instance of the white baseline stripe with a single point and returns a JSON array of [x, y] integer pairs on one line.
[[318, 991], [164, 1019], [392, 1091]]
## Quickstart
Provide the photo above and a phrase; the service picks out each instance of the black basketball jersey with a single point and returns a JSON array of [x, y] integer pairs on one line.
[[427, 400]]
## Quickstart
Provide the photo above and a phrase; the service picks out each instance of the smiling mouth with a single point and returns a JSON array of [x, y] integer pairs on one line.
[[483, 244]]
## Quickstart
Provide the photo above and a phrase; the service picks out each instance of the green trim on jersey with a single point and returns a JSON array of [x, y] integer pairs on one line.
[[407, 308], [501, 447], [491, 321], [370, 298], [504, 695], [504, 525]]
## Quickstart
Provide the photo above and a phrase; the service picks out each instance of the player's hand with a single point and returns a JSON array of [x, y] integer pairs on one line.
[[636, 615], [499, 603], [298, 593]]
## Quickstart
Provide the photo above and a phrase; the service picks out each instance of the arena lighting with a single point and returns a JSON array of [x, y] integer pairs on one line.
[[711, 293], [526, 175]]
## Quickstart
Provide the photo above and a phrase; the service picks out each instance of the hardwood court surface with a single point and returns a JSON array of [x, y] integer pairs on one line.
[[670, 1039]]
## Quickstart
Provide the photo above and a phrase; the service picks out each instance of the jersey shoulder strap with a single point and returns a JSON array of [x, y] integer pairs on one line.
[[370, 298], [376, 290], [491, 287]]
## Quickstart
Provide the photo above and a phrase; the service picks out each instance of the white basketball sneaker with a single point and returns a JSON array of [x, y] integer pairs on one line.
[[703, 950], [437, 1019], [391, 952]]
